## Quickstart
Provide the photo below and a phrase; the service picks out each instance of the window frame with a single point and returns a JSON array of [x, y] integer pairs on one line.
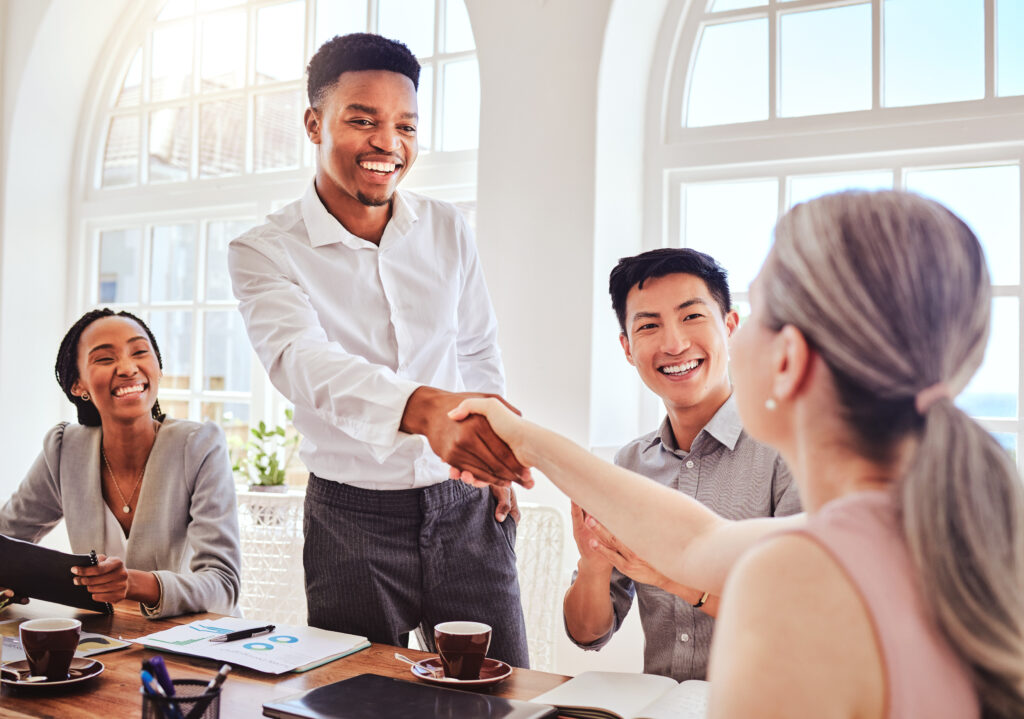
[[942, 135], [252, 195]]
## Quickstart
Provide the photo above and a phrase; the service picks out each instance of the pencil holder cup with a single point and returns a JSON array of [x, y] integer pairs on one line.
[[191, 700]]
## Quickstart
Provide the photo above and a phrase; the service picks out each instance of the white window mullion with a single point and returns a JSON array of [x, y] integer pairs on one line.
[[990, 48], [876, 54]]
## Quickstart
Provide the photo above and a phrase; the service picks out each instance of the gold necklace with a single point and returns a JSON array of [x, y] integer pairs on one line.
[[126, 507]]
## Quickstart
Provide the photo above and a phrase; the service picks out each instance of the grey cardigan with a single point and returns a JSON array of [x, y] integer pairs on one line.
[[186, 527]]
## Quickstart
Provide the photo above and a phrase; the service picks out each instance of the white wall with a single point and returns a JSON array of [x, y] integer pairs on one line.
[[560, 163], [50, 48], [541, 71]]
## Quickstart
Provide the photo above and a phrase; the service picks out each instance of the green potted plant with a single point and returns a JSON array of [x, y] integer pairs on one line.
[[267, 457]]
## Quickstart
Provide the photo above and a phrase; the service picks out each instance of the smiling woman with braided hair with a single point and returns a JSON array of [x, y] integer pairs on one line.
[[901, 594], [153, 495]]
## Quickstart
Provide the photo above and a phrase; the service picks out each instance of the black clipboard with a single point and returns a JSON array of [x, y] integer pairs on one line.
[[42, 573], [370, 696]]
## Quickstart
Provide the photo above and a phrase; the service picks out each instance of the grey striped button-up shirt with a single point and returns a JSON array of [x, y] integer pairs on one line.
[[728, 471]]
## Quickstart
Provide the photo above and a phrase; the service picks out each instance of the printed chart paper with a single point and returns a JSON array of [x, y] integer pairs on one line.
[[286, 649]]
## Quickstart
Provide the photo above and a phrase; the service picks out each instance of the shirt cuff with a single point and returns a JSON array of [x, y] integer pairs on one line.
[[149, 610]]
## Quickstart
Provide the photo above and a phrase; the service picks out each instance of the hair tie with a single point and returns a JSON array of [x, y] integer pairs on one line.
[[924, 399]]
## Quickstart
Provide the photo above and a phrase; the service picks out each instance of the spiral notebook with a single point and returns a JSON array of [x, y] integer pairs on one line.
[[42, 573]]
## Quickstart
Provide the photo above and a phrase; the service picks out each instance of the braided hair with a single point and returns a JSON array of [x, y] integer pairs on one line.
[[66, 368]]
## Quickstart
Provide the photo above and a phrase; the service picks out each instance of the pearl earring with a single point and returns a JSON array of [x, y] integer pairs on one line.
[[85, 396], [770, 404]]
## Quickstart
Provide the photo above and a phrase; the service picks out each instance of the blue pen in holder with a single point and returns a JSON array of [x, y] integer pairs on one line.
[[191, 700]]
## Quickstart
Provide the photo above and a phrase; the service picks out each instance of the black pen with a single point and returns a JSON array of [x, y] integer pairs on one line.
[[243, 634]]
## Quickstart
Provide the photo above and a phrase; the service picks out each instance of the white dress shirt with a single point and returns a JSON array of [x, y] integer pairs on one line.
[[347, 330]]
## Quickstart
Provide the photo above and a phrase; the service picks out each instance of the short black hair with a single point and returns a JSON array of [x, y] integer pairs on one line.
[[634, 271], [66, 368], [354, 52]]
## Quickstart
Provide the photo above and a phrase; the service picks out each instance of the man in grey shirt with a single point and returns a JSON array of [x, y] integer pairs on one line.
[[674, 310]]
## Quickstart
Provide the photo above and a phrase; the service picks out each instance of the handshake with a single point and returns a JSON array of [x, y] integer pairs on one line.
[[479, 435]]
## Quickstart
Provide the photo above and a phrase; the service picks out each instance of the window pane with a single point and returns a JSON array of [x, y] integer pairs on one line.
[[931, 55], [411, 22], [170, 140], [425, 102], [173, 332], [218, 235], [988, 199], [217, 4], [338, 17], [806, 187], [280, 31], [458, 32], [222, 138], [460, 124], [730, 75], [825, 61], [176, 8], [714, 223], [1008, 442], [121, 156], [1009, 48], [226, 355], [223, 59], [173, 263], [722, 5], [278, 131], [172, 62], [119, 266], [131, 88], [993, 390], [233, 417], [174, 408]]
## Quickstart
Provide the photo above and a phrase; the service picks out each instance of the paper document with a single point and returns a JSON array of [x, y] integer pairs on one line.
[[88, 644], [286, 649]]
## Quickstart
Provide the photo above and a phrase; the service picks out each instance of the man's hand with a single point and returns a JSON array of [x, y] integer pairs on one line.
[[584, 535], [470, 445], [605, 544], [508, 505], [107, 581]]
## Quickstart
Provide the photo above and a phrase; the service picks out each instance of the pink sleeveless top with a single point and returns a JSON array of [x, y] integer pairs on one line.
[[924, 678]]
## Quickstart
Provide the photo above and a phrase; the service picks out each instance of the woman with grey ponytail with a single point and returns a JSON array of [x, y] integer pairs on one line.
[[901, 593]]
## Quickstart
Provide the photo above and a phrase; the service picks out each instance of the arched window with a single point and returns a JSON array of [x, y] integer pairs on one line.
[[763, 103], [196, 135]]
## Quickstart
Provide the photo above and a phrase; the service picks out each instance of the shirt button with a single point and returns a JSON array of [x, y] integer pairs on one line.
[[684, 638], [689, 465]]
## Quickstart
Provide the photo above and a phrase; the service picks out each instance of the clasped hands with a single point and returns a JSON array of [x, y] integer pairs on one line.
[[458, 427], [599, 546]]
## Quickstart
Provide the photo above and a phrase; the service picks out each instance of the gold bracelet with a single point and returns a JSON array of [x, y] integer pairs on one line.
[[700, 602]]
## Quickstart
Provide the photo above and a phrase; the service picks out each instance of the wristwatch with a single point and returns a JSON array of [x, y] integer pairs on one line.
[[700, 602]]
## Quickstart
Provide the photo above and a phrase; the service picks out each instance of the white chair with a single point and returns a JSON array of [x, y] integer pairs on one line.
[[273, 582], [539, 543]]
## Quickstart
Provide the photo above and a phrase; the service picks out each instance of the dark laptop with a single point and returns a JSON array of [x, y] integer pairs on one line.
[[369, 696]]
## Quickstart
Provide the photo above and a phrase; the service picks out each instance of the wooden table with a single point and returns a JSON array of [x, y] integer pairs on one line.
[[114, 694]]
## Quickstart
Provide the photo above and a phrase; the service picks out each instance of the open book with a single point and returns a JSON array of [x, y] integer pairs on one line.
[[617, 695], [285, 649]]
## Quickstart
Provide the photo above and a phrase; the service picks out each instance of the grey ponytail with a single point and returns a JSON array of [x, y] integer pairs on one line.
[[892, 290]]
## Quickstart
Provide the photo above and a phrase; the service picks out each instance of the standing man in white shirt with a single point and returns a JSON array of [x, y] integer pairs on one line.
[[368, 308]]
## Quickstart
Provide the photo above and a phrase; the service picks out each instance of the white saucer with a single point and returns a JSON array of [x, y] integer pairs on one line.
[[491, 672]]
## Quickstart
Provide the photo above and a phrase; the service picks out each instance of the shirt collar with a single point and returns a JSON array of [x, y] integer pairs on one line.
[[724, 426], [324, 229]]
